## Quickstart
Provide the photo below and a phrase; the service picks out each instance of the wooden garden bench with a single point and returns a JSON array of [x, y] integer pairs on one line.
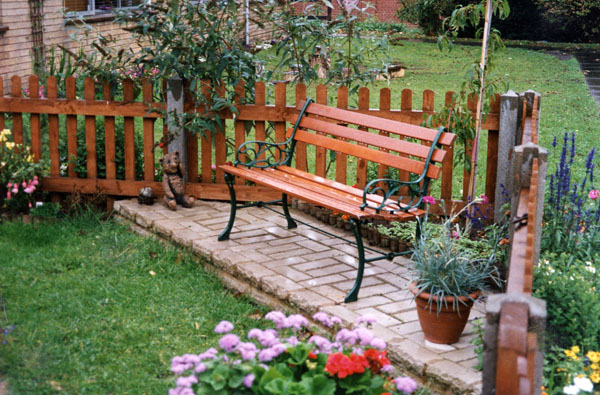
[[413, 149]]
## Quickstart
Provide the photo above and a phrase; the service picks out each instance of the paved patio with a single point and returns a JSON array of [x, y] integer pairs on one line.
[[303, 270]]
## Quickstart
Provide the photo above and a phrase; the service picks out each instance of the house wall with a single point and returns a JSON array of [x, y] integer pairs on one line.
[[16, 43], [382, 10]]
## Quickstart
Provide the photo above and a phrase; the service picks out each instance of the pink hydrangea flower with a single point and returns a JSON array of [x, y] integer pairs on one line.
[[594, 194]]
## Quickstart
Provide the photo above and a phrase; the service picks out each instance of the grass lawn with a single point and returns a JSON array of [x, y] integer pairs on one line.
[[97, 309]]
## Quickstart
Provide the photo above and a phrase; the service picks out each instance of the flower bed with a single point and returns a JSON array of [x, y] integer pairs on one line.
[[292, 359]]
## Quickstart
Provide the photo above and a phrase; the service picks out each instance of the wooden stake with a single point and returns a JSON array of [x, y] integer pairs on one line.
[[475, 150]]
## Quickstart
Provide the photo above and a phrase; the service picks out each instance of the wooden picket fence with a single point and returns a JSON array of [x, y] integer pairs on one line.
[[515, 324], [201, 158]]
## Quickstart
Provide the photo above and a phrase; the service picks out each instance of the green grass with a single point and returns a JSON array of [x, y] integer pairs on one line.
[[90, 316]]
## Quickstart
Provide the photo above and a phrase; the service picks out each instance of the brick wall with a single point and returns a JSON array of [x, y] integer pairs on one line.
[[16, 42], [383, 10]]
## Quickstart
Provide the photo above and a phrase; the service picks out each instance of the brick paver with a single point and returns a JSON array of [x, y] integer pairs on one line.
[[309, 272]]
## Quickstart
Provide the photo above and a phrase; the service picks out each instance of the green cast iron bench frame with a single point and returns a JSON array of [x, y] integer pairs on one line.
[[269, 164]]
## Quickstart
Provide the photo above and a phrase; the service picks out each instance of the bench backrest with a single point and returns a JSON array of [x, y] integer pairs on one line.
[[332, 132]]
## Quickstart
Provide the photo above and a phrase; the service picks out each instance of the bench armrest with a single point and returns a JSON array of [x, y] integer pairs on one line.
[[262, 154], [387, 187]]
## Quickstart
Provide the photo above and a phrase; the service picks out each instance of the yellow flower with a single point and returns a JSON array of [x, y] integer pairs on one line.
[[595, 377], [575, 349], [594, 366], [6, 132], [29, 158], [570, 354], [10, 145], [593, 356]]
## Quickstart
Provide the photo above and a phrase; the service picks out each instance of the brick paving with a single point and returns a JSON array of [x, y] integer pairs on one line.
[[306, 271]]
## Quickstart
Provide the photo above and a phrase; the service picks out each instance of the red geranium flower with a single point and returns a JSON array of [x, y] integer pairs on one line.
[[344, 365], [377, 359]]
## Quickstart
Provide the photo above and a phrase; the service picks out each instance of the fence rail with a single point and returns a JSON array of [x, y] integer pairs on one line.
[[515, 324], [78, 125]]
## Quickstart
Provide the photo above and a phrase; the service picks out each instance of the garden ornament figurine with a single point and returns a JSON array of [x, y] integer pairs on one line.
[[146, 196], [173, 183]]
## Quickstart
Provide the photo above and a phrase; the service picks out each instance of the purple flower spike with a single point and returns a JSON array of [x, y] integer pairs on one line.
[[248, 380], [228, 342], [405, 384], [223, 327]]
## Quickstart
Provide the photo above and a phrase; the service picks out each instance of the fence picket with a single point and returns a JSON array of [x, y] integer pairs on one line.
[[448, 164], [220, 142], [341, 160], [361, 164], [259, 101], [239, 126], [17, 132], [90, 130], [129, 130], [320, 151], [385, 105], [109, 136], [70, 90], [206, 147], [147, 89], [34, 120], [2, 124], [280, 103], [53, 130], [301, 158]]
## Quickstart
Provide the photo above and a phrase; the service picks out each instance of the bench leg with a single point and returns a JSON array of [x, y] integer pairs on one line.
[[353, 294], [291, 224], [229, 180]]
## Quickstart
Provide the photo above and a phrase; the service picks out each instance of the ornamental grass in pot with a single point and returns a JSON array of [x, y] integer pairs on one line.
[[448, 278]]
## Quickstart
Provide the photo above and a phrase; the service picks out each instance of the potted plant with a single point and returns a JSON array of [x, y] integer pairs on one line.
[[402, 236], [447, 278]]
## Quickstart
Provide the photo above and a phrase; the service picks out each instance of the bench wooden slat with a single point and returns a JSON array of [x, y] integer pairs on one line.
[[375, 199], [354, 196], [393, 144], [399, 162], [399, 128], [321, 196]]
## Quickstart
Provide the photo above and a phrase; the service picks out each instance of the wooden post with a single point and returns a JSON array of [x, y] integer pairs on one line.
[[507, 138], [175, 99]]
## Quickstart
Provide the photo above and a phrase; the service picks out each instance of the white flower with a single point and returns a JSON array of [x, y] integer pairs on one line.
[[583, 383], [571, 390], [590, 269]]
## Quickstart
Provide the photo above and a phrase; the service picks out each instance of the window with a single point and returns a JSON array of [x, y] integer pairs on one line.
[[91, 7]]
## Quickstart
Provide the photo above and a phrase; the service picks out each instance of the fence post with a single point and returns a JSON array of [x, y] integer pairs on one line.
[[536, 324], [509, 126], [175, 101]]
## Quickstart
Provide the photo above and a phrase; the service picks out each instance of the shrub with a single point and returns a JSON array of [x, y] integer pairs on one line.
[[428, 14], [572, 20], [568, 286], [19, 174], [291, 360]]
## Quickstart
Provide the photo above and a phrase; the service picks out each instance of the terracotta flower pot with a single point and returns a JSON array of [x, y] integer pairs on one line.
[[446, 326]]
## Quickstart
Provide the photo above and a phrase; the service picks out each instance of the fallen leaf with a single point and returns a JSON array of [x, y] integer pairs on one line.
[[178, 258], [152, 254], [55, 385], [152, 273], [197, 325]]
